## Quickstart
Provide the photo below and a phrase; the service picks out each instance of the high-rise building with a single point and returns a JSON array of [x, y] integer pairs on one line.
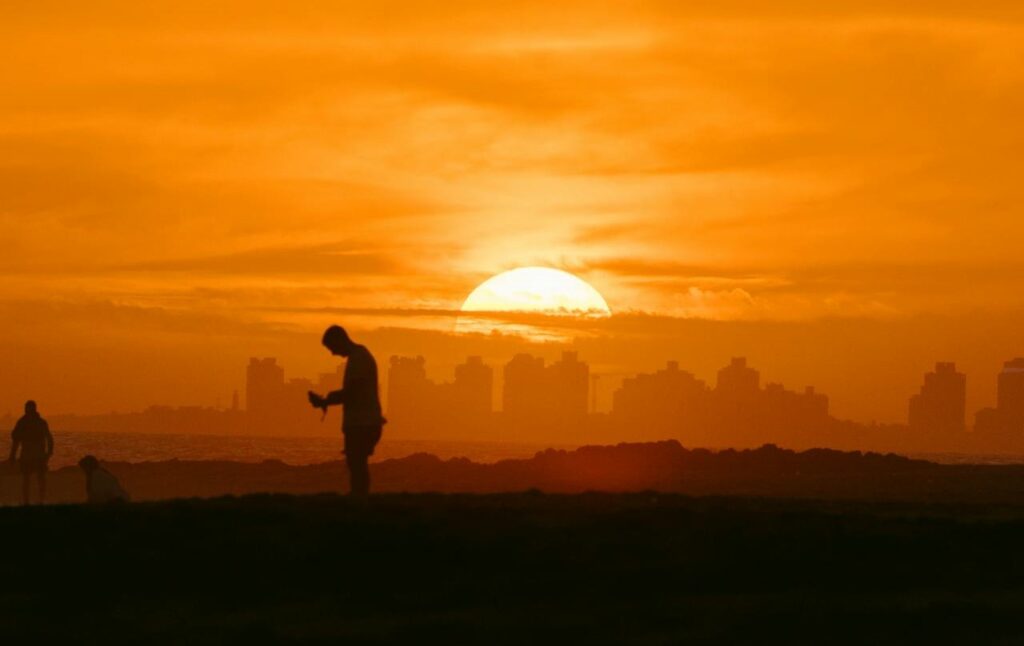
[[264, 387], [409, 392], [940, 406], [1010, 395], [988, 421], [788, 413], [569, 379], [738, 379], [295, 395], [662, 402], [657, 395], [738, 398], [738, 412], [524, 394], [539, 396], [815, 403], [419, 407], [473, 389]]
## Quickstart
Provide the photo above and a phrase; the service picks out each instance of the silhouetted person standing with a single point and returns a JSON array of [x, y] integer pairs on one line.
[[362, 420], [32, 435]]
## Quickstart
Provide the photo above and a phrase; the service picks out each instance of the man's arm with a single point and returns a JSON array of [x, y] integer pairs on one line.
[[357, 385], [332, 399], [15, 443], [335, 398], [49, 440]]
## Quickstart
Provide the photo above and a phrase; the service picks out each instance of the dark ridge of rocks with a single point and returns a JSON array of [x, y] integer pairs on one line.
[[660, 466]]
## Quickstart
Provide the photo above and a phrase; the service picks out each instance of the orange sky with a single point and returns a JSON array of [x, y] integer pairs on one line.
[[182, 186]]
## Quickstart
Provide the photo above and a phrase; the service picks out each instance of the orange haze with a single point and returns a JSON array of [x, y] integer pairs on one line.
[[830, 189]]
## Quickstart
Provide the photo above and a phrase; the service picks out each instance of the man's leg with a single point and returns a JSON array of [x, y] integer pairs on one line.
[[359, 474], [25, 476], [42, 487]]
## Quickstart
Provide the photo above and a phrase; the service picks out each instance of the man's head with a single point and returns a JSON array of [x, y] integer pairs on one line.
[[31, 408], [336, 340], [89, 463]]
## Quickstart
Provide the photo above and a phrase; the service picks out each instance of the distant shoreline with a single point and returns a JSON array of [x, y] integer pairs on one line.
[[658, 466], [303, 450]]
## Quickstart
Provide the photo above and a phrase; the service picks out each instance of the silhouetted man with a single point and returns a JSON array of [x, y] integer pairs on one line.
[[362, 420], [32, 435], [101, 486]]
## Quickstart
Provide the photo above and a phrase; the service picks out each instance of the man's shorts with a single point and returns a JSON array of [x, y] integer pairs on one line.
[[362, 440], [34, 465]]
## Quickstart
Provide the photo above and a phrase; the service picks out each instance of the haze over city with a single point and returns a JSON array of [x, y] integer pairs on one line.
[[830, 192]]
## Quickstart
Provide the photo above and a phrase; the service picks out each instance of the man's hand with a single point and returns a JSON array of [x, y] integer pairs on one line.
[[317, 401]]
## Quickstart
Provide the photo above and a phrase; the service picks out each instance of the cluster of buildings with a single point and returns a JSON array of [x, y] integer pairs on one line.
[[940, 408], [537, 401], [736, 411], [275, 403], [541, 400]]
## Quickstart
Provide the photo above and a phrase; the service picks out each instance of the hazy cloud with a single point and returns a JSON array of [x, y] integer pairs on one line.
[[281, 165]]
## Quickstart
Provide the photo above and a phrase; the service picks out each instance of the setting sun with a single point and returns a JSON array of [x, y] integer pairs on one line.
[[539, 290], [536, 289]]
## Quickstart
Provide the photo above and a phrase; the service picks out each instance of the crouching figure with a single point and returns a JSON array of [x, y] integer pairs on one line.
[[101, 486]]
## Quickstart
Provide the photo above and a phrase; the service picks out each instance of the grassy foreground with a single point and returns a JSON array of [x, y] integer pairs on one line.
[[508, 569]]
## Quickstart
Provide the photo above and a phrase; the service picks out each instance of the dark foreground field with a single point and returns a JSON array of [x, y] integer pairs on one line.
[[509, 569]]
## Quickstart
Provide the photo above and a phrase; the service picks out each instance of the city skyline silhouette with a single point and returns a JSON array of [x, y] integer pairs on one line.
[[531, 401]]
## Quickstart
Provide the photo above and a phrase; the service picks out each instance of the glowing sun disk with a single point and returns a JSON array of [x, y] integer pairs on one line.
[[537, 289]]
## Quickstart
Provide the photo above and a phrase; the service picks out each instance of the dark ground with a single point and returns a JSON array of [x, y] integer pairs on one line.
[[513, 568], [769, 471]]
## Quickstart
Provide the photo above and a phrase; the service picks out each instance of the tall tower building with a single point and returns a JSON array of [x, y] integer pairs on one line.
[[264, 387], [525, 393], [668, 398], [1010, 395], [940, 406], [569, 379], [738, 379], [408, 390], [473, 389]]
